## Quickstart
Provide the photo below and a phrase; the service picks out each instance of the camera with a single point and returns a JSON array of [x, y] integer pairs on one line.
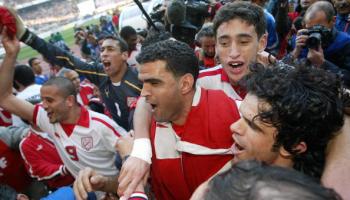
[[187, 16], [157, 14], [318, 34]]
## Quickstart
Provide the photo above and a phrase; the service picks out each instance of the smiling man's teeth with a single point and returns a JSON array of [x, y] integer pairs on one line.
[[235, 64]]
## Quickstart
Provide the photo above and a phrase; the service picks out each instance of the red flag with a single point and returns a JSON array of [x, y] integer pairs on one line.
[[6, 19]]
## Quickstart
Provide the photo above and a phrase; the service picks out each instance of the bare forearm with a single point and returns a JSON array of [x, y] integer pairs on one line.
[[6, 74], [142, 119]]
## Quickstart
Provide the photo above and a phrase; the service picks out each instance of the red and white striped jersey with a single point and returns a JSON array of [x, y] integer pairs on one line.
[[216, 79], [86, 93], [89, 143]]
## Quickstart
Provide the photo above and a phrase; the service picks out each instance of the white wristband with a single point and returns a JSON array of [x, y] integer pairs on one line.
[[142, 149]]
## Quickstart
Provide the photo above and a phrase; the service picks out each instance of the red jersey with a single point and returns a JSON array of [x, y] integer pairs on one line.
[[12, 170], [86, 93], [43, 161], [205, 61], [216, 79], [186, 156], [5, 118]]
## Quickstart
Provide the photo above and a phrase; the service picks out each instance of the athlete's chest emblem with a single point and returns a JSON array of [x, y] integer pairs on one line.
[[87, 143]]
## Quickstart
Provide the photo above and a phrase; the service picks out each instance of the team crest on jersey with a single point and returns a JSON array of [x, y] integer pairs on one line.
[[130, 101], [87, 143]]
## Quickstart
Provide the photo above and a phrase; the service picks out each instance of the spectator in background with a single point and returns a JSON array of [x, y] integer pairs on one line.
[[115, 18], [206, 41], [332, 52], [272, 37], [57, 39], [93, 45], [107, 26], [342, 22], [129, 34], [35, 64], [23, 82], [85, 92]]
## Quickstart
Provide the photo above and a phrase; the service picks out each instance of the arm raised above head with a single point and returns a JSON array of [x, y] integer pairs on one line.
[[8, 101]]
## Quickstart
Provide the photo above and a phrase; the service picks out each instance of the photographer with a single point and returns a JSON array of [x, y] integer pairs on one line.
[[321, 44], [342, 22]]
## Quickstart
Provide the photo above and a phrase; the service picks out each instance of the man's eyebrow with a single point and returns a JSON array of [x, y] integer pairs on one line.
[[152, 80], [252, 124], [223, 37], [244, 35]]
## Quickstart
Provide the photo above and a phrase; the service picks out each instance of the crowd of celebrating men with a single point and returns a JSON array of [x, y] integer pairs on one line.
[[256, 108]]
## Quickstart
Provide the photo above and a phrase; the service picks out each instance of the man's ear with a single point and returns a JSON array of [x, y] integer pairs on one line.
[[300, 148], [262, 43], [70, 100], [186, 83], [125, 55]]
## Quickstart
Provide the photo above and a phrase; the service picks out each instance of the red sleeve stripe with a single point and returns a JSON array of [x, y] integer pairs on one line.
[[210, 73], [35, 114], [106, 124]]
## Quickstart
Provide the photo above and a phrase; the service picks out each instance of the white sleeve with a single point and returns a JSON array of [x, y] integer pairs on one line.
[[111, 132], [41, 120]]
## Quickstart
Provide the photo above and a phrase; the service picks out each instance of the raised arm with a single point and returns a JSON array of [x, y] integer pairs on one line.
[[138, 164], [57, 55], [8, 101]]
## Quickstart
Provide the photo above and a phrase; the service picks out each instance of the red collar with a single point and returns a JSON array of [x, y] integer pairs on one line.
[[83, 120], [84, 117], [239, 90]]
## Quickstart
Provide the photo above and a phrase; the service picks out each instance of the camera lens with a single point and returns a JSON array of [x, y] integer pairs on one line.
[[314, 41]]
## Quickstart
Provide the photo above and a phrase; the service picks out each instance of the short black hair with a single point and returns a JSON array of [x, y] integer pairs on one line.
[[155, 37], [23, 75], [206, 31], [31, 60], [121, 42], [65, 85], [253, 180], [127, 31], [306, 105], [179, 57], [323, 6], [250, 13]]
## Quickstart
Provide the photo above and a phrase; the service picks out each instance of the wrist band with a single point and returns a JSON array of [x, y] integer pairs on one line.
[[269, 58], [142, 149]]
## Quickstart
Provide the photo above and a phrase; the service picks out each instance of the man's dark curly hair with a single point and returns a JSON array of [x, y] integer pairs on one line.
[[254, 180], [248, 12], [179, 57], [306, 105]]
